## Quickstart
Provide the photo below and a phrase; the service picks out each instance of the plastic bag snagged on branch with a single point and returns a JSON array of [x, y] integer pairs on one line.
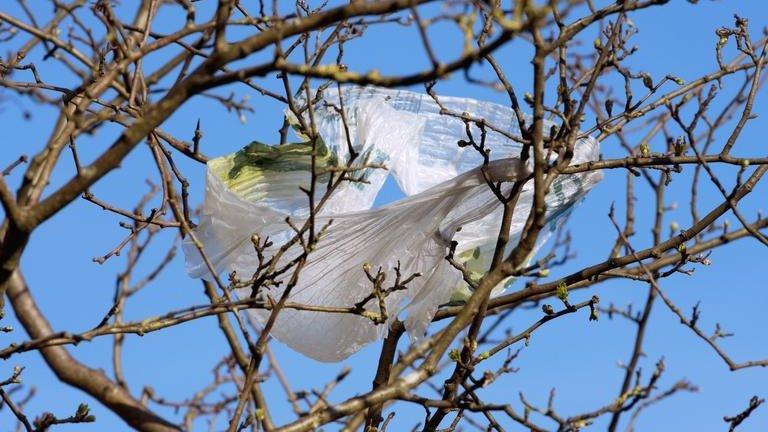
[[253, 191]]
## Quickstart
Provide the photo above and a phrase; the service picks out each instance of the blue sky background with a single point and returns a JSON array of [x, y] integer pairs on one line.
[[577, 357]]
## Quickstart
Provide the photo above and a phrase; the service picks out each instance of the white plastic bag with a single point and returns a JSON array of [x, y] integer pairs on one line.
[[254, 190]]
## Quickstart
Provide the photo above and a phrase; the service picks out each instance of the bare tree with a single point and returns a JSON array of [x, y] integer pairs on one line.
[[114, 66]]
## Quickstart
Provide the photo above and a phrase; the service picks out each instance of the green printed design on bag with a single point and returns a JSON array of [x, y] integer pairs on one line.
[[254, 162]]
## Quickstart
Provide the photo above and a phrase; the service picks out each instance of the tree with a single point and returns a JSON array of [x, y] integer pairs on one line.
[[122, 72]]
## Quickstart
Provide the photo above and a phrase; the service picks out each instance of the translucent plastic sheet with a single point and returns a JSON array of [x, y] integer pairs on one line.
[[254, 190]]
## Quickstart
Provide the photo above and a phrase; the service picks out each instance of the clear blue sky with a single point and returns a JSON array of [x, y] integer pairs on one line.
[[578, 358]]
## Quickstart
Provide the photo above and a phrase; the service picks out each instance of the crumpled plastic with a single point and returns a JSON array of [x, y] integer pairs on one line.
[[447, 199]]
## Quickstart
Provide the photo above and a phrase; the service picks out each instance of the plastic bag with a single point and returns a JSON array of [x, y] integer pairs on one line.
[[254, 190]]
